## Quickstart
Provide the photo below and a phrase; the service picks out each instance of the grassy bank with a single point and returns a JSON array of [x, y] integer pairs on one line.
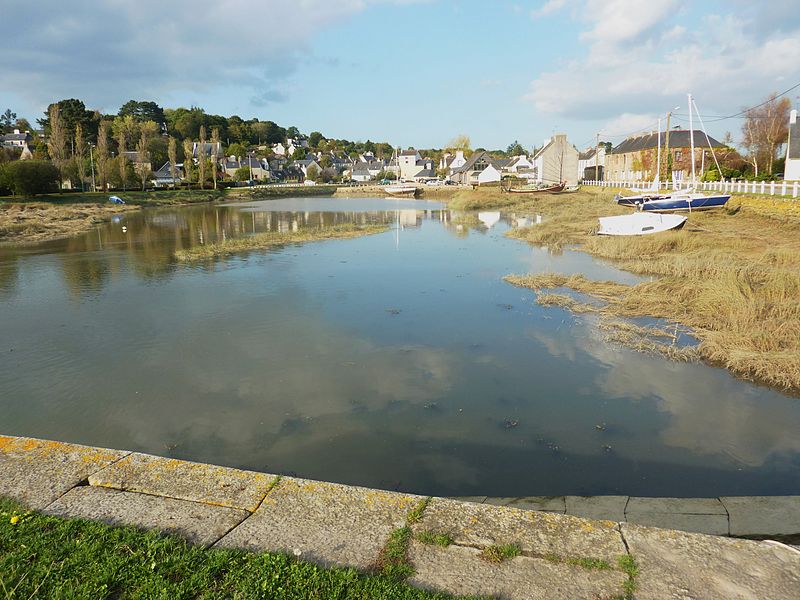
[[138, 198], [47, 557], [732, 276], [271, 239]]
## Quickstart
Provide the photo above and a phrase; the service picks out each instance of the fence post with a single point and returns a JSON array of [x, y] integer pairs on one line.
[[772, 188], [794, 190], [783, 188]]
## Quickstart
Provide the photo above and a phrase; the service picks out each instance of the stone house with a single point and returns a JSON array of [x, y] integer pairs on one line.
[[791, 171], [557, 161], [635, 158]]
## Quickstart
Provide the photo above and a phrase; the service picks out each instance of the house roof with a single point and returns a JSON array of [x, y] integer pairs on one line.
[[679, 138], [408, 153], [505, 162], [163, 171], [16, 137], [587, 154], [473, 159], [426, 173]]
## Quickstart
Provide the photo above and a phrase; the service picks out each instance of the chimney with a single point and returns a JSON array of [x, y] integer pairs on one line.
[[793, 117], [16, 131]]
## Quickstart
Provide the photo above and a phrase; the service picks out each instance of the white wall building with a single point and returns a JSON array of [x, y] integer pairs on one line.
[[791, 171]]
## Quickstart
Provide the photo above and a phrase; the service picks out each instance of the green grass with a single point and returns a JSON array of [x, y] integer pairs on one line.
[[434, 539], [393, 560], [48, 557], [592, 564], [628, 565], [498, 554], [416, 513], [137, 197]]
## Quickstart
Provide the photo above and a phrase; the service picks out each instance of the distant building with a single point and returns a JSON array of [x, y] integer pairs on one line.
[[162, 177], [792, 169], [407, 160], [635, 158], [518, 165], [557, 161], [207, 149], [18, 140], [259, 168], [451, 162], [592, 162], [480, 169]]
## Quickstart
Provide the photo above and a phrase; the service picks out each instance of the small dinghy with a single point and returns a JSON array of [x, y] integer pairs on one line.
[[116, 200], [640, 223]]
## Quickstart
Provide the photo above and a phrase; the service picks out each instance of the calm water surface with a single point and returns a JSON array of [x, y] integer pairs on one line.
[[397, 361]]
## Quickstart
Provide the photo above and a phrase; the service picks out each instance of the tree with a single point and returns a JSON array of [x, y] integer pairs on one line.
[[313, 173], [201, 158], [299, 154], [143, 166], [172, 151], [72, 112], [143, 111], [460, 142], [326, 162], [122, 144], [214, 154], [314, 139], [515, 149], [102, 154], [29, 177], [236, 149], [766, 129], [188, 164], [7, 120], [57, 142], [79, 154], [292, 132], [242, 173]]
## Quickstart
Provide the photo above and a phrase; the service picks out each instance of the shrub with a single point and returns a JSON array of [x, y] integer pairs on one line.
[[29, 177]]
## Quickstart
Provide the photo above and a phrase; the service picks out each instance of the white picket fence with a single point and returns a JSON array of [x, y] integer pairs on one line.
[[767, 188]]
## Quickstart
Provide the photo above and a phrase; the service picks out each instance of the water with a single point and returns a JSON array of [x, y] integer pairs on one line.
[[399, 360]]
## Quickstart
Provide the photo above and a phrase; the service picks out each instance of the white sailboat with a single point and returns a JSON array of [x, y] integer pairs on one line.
[[640, 223], [400, 188]]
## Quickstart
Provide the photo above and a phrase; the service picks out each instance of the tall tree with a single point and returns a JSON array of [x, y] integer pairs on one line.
[[143, 111], [215, 143], [460, 142], [102, 154], [79, 154], [172, 152], [122, 144], [72, 112], [143, 166], [57, 141], [7, 120], [201, 158], [766, 129], [188, 165]]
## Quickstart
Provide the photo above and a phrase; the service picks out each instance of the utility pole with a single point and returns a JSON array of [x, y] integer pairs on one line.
[[668, 170]]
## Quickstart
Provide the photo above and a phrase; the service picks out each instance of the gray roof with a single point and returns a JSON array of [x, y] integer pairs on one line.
[[677, 139], [426, 173], [473, 159], [16, 137], [408, 152]]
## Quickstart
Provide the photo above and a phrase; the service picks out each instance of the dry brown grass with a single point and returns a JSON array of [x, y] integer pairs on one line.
[[274, 238], [39, 221], [732, 276]]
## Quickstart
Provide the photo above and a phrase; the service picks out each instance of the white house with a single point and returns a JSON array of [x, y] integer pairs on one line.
[[557, 161], [519, 165], [791, 171], [480, 169], [451, 162], [207, 149], [592, 162]]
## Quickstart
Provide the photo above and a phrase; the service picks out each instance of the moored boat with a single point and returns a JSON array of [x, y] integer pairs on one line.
[[534, 189], [640, 223], [683, 201], [401, 189]]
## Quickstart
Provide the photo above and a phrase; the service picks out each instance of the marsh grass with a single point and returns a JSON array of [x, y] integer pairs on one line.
[[731, 276], [271, 239], [31, 222]]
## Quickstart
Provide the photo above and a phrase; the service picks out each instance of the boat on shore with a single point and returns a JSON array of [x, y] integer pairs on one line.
[[537, 189], [640, 223], [401, 189], [684, 201]]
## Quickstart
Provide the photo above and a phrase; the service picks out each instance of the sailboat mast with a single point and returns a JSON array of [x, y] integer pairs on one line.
[[658, 160], [691, 141]]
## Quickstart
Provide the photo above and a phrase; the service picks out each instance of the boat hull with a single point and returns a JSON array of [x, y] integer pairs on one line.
[[401, 190], [640, 224], [684, 202], [548, 190]]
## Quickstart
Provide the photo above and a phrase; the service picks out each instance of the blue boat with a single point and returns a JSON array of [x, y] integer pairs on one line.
[[685, 201], [638, 200]]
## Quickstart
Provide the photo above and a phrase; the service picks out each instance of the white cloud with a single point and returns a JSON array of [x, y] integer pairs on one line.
[[547, 8], [641, 63], [149, 49]]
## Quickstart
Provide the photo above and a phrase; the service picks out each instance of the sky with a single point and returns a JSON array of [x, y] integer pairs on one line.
[[411, 72]]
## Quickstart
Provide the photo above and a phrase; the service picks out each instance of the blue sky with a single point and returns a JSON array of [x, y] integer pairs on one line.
[[413, 72]]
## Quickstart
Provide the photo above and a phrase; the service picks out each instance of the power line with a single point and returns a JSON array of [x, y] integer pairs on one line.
[[715, 118]]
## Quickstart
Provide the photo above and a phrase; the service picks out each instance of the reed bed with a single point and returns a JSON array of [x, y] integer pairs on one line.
[[272, 239], [732, 276]]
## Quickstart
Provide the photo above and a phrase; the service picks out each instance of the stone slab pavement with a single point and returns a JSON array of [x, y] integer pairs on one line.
[[555, 555], [37, 472]]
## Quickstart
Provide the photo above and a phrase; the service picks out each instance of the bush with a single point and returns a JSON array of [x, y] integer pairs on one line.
[[29, 177]]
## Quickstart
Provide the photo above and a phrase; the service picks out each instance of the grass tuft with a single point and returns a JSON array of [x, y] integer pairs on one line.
[[393, 559], [498, 554], [272, 239], [628, 565], [415, 514], [435, 539]]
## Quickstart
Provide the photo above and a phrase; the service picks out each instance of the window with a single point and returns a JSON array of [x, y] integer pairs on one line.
[[678, 155]]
